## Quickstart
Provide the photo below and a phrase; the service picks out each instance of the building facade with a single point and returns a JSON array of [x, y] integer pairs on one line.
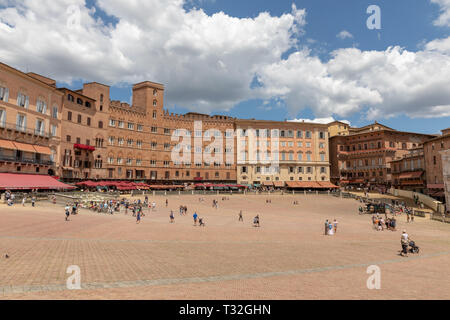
[[143, 140], [363, 158], [273, 153], [82, 134], [30, 122], [435, 163], [408, 172]]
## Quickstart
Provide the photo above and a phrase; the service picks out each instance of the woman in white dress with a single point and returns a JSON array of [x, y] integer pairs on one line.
[[330, 229]]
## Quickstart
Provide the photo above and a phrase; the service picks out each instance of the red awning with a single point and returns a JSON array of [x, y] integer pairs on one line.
[[15, 181], [83, 147]]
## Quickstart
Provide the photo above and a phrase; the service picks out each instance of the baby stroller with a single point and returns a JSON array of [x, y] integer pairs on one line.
[[413, 248]]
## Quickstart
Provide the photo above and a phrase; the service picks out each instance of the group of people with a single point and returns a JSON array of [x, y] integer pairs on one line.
[[330, 227], [183, 210], [71, 209], [200, 220], [11, 198], [380, 223]]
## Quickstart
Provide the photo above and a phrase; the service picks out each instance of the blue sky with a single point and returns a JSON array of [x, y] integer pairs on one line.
[[405, 23], [192, 60]]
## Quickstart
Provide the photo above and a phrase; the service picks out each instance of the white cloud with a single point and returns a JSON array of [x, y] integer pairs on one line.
[[344, 34], [439, 45], [385, 83], [444, 17], [208, 62], [326, 120]]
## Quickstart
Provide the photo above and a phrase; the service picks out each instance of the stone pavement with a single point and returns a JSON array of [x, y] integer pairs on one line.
[[288, 257]]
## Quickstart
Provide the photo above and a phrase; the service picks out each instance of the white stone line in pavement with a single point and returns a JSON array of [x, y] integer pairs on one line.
[[5, 290], [165, 241]]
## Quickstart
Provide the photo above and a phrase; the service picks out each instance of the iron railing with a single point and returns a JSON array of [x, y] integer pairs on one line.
[[26, 160]]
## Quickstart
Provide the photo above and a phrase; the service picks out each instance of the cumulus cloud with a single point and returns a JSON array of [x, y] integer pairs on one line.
[[439, 45], [208, 63], [344, 34], [444, 17], [382, 83], [326, 120]]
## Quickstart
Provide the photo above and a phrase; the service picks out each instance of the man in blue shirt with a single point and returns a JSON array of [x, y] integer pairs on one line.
[[195, 218]]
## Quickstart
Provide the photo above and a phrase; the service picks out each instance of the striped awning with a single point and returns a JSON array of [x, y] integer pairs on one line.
[[5, 144], [24, 147], [43, 150]]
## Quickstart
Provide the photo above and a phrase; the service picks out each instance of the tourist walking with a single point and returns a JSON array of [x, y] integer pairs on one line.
[[256, 221], [24, 199], [404, 240], [326, 227], [33, 201], [330, 229], [195, 216], [240, 216], [67, 209], [138, 217], [172, 218], [335, 224]]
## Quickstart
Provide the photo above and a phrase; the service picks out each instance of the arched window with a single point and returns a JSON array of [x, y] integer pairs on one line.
[[100, 124], [101, 98], [79, 101], [155, 103], [88, 104], [70, 98]]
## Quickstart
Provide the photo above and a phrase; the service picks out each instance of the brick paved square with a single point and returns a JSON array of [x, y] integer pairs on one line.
[[288, 257]]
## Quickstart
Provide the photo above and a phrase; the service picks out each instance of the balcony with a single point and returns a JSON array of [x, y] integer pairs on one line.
[[364, 152], [26, 160], [23, 129], [378, 167]]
